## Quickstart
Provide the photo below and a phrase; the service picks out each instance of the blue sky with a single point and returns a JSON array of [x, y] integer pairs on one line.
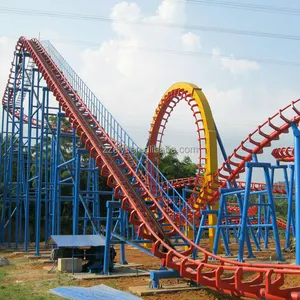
[[242, 94]]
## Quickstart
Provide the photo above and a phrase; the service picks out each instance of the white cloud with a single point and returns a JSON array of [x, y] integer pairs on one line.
[[191, 42], [171, 11], [131, 82], [6, 56], [235, 66]]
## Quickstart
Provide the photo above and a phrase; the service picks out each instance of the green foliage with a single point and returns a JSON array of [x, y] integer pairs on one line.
[[172, 167], [281, 208]]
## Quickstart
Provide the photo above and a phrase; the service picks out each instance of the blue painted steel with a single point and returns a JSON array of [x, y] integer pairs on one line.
[[290, 220], [296, 133], [119, 135], [40, 178], [244, 218], [239, 198], [76, 193], [155, 276], [110, 206]]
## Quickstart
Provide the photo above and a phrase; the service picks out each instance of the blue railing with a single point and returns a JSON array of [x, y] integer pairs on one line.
[[120, 136]]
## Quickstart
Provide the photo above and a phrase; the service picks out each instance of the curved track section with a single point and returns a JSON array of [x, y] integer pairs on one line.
[[284, 154], [233, 207], [197, 181], [255, 143], [223, 275], [205, 127]]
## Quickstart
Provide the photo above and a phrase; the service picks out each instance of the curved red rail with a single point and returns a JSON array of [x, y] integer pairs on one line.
[[284, 154], [254, 144], [197, 181], [160, 120], [222, 275]]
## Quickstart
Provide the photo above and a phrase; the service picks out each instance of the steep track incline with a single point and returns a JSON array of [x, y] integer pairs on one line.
[[223, 275]]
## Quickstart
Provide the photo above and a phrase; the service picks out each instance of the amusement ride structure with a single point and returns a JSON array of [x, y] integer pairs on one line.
[[139, 206]]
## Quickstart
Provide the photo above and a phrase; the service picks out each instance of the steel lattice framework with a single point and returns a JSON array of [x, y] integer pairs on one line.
[[35, 170]]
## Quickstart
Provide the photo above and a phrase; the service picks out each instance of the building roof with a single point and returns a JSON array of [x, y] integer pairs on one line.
[[78, 240]]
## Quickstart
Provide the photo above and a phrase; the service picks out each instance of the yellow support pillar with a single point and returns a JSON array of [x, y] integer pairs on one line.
[[210, 136]]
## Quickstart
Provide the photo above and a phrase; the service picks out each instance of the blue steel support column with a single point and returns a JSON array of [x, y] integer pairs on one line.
[[290, 222], [28, 170], [297, 189], [87, 197], [110, 205], [244, 211], [273, 214], [74, 164], [56, 188], [10, 172], [46, 171], [40, 178], [107, 237], [5, 176], [122, 232], [1, 143], [76, 193], [20, 166], [97, 196], [239, 198], [259, 229], [2, 163], [199, 232]]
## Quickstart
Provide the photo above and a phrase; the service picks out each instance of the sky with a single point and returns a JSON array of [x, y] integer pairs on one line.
[[124, 66]]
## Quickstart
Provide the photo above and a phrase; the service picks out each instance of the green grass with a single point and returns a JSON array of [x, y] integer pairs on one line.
[[29, 289], [3, 273]]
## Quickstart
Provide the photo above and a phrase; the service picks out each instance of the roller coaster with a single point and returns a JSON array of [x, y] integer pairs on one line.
[[167, 219]]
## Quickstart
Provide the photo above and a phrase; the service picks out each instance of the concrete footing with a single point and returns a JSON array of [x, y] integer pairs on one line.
[[117, 273], [170, 288]]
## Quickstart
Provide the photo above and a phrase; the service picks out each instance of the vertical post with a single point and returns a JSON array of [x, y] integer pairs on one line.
[[244, 211], [273, 214], [5, 174], [46, 172], [76, 193], [122, 232], [13, 133], [40, 177], [28, 163], [259, 229], [20, 166], [56, 188], [2, 163], [297, 188], [107, 237], [218, 225], [199, 232], [289, 190]]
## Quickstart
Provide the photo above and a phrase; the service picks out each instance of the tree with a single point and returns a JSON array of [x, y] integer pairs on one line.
[[172, 167]]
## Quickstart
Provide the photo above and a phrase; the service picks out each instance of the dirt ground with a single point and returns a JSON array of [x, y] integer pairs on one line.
[[27, 278]]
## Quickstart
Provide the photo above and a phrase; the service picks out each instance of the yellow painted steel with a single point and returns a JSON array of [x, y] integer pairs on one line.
[[210, 140]]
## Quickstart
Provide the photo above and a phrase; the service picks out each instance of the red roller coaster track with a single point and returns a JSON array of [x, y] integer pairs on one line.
[[255, 186], [255, 143], [284, 154], [223, 275]]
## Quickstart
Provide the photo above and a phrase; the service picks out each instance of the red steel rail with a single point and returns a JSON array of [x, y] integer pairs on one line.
[[197, 181], [284, 154], [223, 275], [255, 143]]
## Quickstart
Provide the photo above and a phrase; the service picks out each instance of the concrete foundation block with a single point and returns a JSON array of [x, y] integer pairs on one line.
[[65, 265]]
